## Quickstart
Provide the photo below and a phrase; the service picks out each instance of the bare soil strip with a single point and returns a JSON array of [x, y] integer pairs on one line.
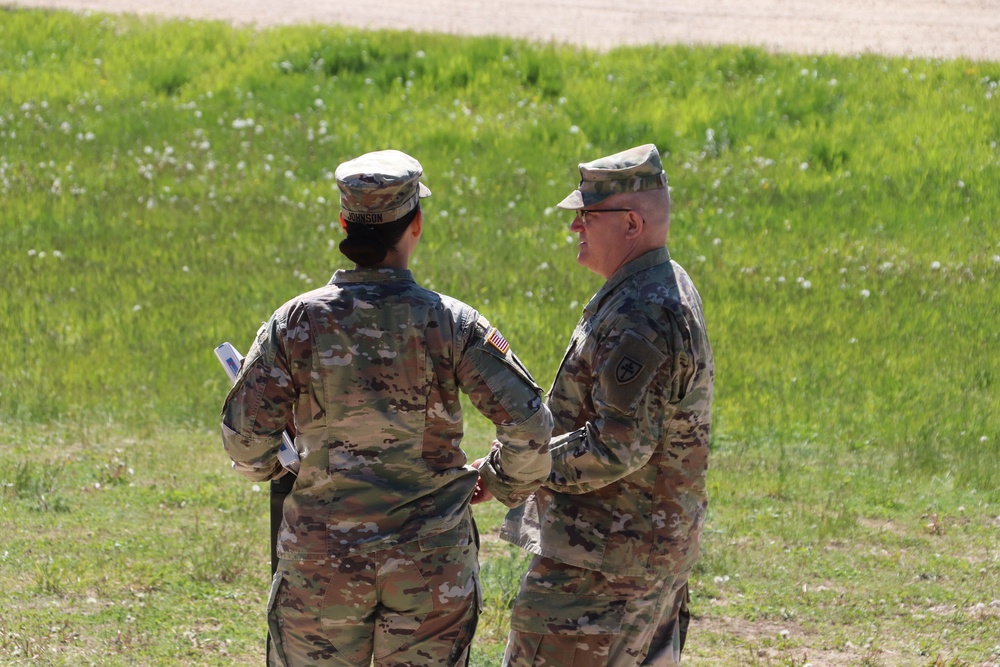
[[914, 28]]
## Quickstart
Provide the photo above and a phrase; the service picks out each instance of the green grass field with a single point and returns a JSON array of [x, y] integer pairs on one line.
[[164, 186]]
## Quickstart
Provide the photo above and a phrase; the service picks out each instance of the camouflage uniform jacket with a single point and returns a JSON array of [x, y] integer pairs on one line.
[[631, 402], [372, 366]]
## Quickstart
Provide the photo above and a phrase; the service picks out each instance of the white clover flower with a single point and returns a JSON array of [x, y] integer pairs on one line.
[[136, 308], [716, 241], [781, 279], [573, 129], [806, 284], [804, 166], [935, 266], [865, 294]]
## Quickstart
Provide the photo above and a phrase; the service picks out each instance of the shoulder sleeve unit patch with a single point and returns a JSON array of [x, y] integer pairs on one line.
[[627, 369]]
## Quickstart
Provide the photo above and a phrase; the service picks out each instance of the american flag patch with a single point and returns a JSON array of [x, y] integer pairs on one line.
[[496, 339]]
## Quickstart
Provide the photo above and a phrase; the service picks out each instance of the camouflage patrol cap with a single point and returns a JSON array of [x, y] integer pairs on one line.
[[634, 170], [380, 187]]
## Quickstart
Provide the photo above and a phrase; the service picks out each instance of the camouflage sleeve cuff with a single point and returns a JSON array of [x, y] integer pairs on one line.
[[254, 457], [514, 469], [256, 474]]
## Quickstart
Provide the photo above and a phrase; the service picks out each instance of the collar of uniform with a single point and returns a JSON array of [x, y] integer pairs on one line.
[[640, 263], [371, 275]]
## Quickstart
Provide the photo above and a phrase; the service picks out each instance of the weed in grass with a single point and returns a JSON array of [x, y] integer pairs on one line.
[[37, 485], [116, 471]]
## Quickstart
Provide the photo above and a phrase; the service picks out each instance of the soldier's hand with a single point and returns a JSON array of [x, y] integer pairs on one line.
[[481, 494]]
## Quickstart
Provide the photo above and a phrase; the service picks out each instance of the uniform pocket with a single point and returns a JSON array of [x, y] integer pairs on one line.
[[559, 614]]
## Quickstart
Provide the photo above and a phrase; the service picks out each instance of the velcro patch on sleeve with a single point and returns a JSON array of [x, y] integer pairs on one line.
[[626, 374]]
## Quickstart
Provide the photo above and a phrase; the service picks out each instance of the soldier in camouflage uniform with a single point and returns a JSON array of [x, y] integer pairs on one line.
[[616, 527], [378, 549]]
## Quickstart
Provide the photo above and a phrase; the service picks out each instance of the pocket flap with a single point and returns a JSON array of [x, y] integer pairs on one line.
[[560, 614]]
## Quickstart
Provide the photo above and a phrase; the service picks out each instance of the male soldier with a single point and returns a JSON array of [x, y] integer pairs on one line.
[[616, 527], [378, 549]]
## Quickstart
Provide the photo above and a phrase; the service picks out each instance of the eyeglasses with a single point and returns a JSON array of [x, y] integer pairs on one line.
[[584, 212]]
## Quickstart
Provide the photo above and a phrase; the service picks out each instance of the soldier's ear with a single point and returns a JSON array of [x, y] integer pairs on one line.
[[417, 226], [343, 223], [635, 224]]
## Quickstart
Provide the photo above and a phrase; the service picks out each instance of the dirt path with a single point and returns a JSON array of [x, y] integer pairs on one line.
[[937, 28]]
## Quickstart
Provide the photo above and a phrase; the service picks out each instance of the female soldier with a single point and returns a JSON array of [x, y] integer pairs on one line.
[[378, 548]]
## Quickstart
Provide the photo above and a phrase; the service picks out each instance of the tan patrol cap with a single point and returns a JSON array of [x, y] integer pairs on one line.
[[380, 187], [634, 170]]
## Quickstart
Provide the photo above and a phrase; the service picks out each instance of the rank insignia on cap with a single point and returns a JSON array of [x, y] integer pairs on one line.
[[496, 339]]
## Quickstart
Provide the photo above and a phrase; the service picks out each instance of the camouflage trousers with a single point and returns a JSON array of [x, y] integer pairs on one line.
[[413, 605], [566, 616]]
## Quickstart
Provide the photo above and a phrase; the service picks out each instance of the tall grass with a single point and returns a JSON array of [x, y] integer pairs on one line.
[[165, 185]]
